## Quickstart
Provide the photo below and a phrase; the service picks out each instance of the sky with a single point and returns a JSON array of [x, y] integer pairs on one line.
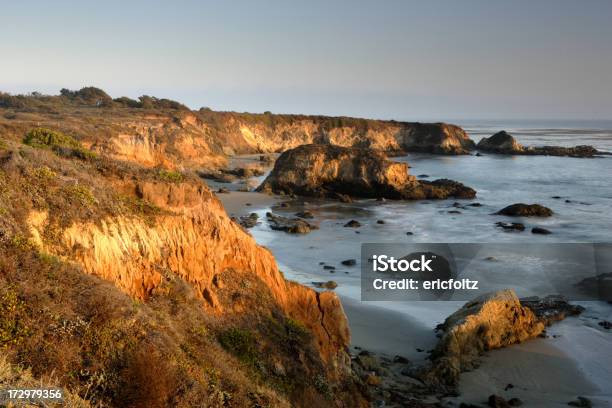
[[404, 60]]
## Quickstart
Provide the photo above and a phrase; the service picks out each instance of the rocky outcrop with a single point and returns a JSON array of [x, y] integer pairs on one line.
[[525, 210], [500, 142], [440, 138], [504, 143], [488, 322], [326, 171]]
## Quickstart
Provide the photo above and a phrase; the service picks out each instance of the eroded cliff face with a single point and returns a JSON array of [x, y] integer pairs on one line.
[[205, 139], [196, 240]]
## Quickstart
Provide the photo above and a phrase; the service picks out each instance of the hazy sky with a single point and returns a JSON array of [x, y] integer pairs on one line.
[[387, 59]]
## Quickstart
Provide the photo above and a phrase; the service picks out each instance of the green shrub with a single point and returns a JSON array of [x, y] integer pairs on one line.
[[171, 176], [296, 332], [240, 343], [50, 139], [12, 328], [81, 194]]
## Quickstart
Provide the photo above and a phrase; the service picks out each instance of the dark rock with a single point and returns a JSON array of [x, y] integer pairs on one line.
[[329, 267], [551, 308], [474, 205], [353, 224], [504, 143], [508, 387], [437, 138], [349, 262], [223, 190], [514, 226], [500, 142], [525, 210], [423, 176], [380, 221], [540, 230], [291, 225], [515, 402], [248, 221], [581, 402], [495, 401], [454, 212], [556, 197], [605, 324], [409, 233]]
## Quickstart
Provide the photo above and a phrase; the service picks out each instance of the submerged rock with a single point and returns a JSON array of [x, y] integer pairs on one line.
[[353, 224], [291, 225], [540, 230], [504, 143], [330, 171], [349, 262], [525, 210]]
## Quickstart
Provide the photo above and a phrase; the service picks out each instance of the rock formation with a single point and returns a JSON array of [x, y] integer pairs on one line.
[[490, 321], [325, 171], [525, 210], [438, 138], [504, 143]]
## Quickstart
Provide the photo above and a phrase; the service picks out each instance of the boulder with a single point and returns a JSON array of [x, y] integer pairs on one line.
[[525, 210], [488, 322], [500, 142], [439, 138], [291, 225], [327, 170]]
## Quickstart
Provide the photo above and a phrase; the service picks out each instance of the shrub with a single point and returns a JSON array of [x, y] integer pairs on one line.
[[59, 142], [171, 176], [12, 329], [81, 194], [47, 138], [240, 343]]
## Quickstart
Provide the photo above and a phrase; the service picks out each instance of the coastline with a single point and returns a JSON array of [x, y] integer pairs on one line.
[[550, 372]]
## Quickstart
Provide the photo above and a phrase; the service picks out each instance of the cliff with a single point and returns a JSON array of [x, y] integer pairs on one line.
[[163, 240], [161, 133]]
